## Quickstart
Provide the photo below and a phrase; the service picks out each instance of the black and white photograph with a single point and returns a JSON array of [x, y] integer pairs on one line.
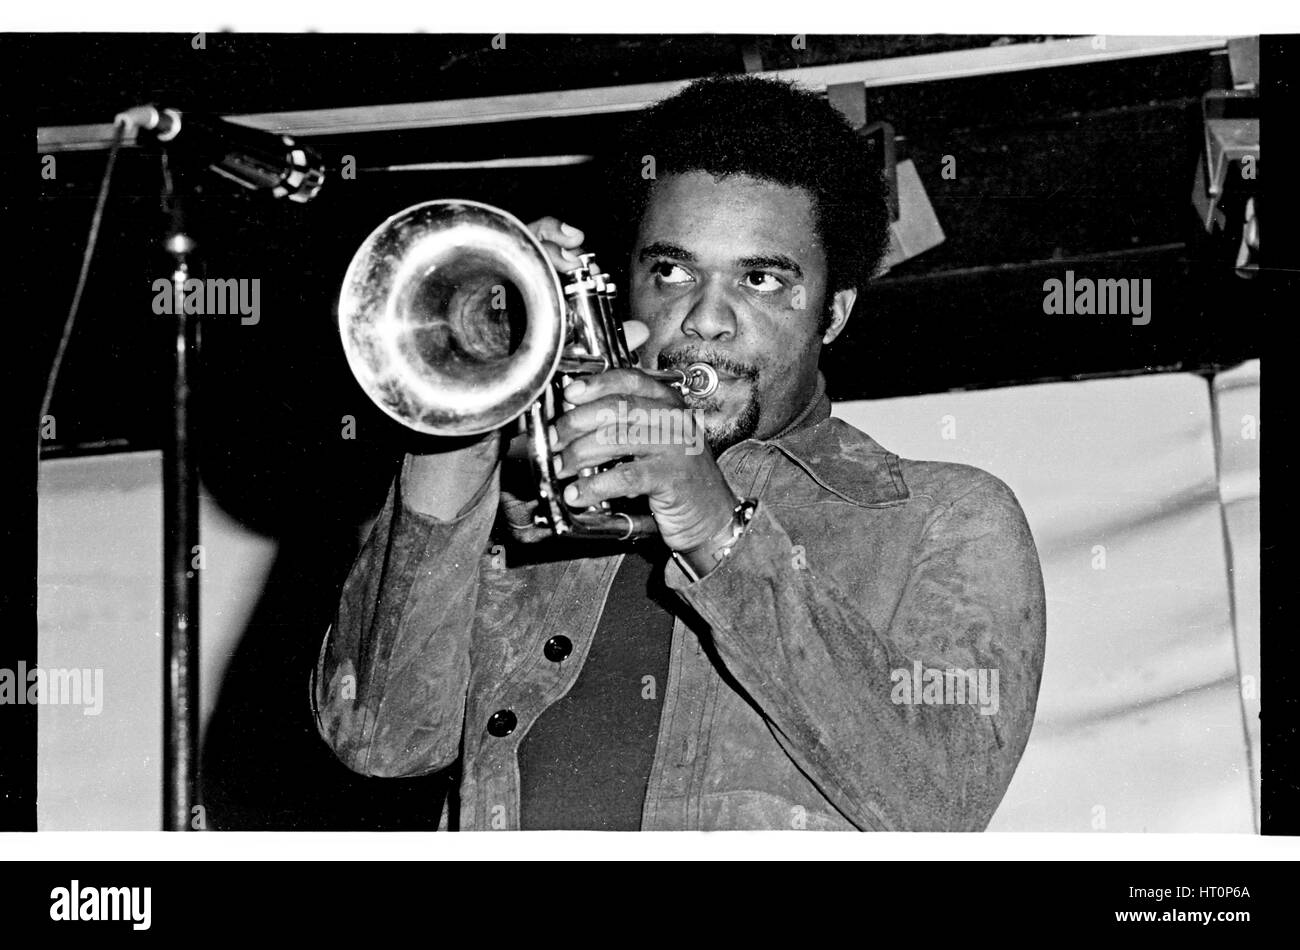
[[647, 432]]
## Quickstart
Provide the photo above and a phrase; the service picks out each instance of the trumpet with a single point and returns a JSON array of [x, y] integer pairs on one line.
[[455, 323]]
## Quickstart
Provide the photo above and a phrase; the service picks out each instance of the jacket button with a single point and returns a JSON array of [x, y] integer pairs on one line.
[[558, 648], [501, 723]]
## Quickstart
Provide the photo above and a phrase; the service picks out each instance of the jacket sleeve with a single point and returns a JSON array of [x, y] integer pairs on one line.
[[389, 687], [832, 687]]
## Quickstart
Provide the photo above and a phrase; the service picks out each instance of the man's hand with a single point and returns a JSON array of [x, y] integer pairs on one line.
[[624, 413], [561, 242]]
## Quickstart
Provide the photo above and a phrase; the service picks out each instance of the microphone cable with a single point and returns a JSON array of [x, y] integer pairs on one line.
[[96, 220]]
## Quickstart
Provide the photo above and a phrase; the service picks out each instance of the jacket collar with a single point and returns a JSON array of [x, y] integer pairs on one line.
[[838, 457]]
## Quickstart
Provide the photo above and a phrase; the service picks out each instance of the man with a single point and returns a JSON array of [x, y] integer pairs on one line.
[[754, 668]]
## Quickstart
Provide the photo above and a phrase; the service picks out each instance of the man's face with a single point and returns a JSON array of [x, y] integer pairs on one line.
[[731, 272]]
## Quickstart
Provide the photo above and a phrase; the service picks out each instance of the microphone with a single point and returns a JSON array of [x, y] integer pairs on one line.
[[253, 159]]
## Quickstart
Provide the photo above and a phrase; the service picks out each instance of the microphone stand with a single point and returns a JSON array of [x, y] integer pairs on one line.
[[259, 161], [181, 551]]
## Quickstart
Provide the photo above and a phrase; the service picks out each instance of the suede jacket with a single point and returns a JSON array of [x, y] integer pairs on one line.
[[867, 658]]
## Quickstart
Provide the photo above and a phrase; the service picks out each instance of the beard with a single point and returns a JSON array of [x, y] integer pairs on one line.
[[726, 432]]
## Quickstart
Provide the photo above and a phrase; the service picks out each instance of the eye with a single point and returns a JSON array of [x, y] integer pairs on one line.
[[670, 273], [666, 272], [762, 281]]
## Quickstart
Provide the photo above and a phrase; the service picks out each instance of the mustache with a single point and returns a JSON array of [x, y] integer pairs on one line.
[[676, 359]]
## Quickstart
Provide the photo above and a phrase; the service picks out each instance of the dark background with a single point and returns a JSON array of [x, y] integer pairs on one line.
[[1087, 168]]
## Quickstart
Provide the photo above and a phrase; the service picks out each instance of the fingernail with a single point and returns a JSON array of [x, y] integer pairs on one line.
[[575, 388], [571, 494], [569, 229], [568, 255], [552, 436]]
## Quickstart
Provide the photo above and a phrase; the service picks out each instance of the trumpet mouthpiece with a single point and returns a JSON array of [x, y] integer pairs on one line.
[[701, 379]]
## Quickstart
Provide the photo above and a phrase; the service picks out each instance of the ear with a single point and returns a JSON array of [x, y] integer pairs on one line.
[[841, 307]]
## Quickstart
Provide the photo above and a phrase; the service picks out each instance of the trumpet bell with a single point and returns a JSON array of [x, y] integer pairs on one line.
[[452, 317]]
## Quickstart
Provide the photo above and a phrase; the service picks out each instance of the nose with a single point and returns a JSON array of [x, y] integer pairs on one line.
[[711, 316]]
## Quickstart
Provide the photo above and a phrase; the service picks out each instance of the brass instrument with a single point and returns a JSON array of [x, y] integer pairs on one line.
[[429, 316]]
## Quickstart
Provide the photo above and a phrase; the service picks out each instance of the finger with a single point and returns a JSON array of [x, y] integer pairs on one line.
[[622, 481], [561, 242], [628, 382], [605, 444], [557, 232], [636, 333], [609, 409], [578, 421], [562, 259], [561, 248]]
